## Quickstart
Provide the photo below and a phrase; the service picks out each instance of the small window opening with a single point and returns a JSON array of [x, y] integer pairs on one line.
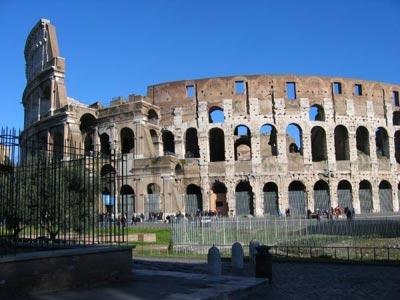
[[239, 87], [190, 93], [396, 100], [337, 88], [358, 90], [291, 90]]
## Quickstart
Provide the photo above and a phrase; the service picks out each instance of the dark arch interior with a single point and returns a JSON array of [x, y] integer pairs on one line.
[[270, 187], [178, 170], [192, 149], [318, 144], [219, 188], [107, 170], [127, 140], [153, 188], [217, 144], [362, 140], [321, 185], [296, 186], [397, 146], [396, 118], [385, 185], [365, 185], [127, 190], [344, 185], [193, 189], [168, 142], [88, 144], [382, 143], [87, 123], [152, 115], [105, 147], [342, 150]]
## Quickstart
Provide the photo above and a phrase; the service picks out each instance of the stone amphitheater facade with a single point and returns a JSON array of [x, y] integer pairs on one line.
[[236, 145]]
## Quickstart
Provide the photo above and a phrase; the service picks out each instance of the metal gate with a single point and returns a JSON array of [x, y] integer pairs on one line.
[[297, 203], [191, 204], [365, 196], [345, 198], [152, 203], [127, 204], [385, 200], [271, 203], [243, 203], [322, 200]]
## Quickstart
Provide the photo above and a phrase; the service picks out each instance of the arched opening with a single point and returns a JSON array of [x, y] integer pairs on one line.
[[385, 197], [365, 196], [294, 138], [318, 144], [87, 127], [342, 150], [127, 140], [45, 102], [297, 198], [105, 147], [218, 201], [396, 118], [88, 145], [152, 116], [192, 149], [322, 199], [58, 145], [268, 141], [362, 141], [87, 123], [397, 146], [382, 143], [168, 142], [194, 199], [244, 199], [217, 144], [154, 139], [345, 195], [271, 202], [316, 113], [107, 173], [127, 203], [152, 199], [242, 144], [216, 115], [178, 170]]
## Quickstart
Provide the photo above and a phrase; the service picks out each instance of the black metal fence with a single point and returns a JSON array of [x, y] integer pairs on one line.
[[59, 195]]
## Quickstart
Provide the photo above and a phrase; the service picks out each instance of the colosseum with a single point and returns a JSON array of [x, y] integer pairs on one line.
[[238, 145]]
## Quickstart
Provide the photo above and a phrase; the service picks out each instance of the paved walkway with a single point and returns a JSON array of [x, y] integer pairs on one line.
[[169, 279]]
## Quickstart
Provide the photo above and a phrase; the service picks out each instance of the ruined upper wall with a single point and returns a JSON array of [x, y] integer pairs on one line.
[[266, 88], [41, 48]]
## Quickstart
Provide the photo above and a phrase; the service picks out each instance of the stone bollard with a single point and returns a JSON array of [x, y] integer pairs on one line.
[[214, 262], [252, 251], [237, 256]]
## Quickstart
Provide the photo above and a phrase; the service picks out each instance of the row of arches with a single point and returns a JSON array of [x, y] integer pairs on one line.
[[316, 112], [298, 200]]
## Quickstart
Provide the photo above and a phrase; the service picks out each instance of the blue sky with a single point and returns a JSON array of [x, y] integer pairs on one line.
[[116, 47]]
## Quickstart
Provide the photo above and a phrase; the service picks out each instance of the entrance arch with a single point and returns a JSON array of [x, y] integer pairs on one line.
[[244, 199], [385, 197], [194, 199], [218, 201], [344, 194], [365, 196], [321, 196], [297, 198], [271, 202]]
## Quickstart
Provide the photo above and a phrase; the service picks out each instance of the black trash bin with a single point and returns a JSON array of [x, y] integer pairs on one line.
[[264, 263]]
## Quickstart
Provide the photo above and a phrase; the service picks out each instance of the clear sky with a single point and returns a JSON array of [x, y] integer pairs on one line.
[[115, 48]]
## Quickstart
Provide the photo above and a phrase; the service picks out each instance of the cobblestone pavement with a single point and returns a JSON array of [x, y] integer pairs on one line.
[[309, 280]]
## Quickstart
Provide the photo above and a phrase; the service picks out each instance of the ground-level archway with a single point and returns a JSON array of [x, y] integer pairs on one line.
[[218, 201], [297, 198], [271, 203], [244, 199], [365, 197], [193, 200], [321, 196]]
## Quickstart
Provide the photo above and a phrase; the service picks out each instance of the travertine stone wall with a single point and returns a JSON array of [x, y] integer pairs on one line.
[[169, 109]]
